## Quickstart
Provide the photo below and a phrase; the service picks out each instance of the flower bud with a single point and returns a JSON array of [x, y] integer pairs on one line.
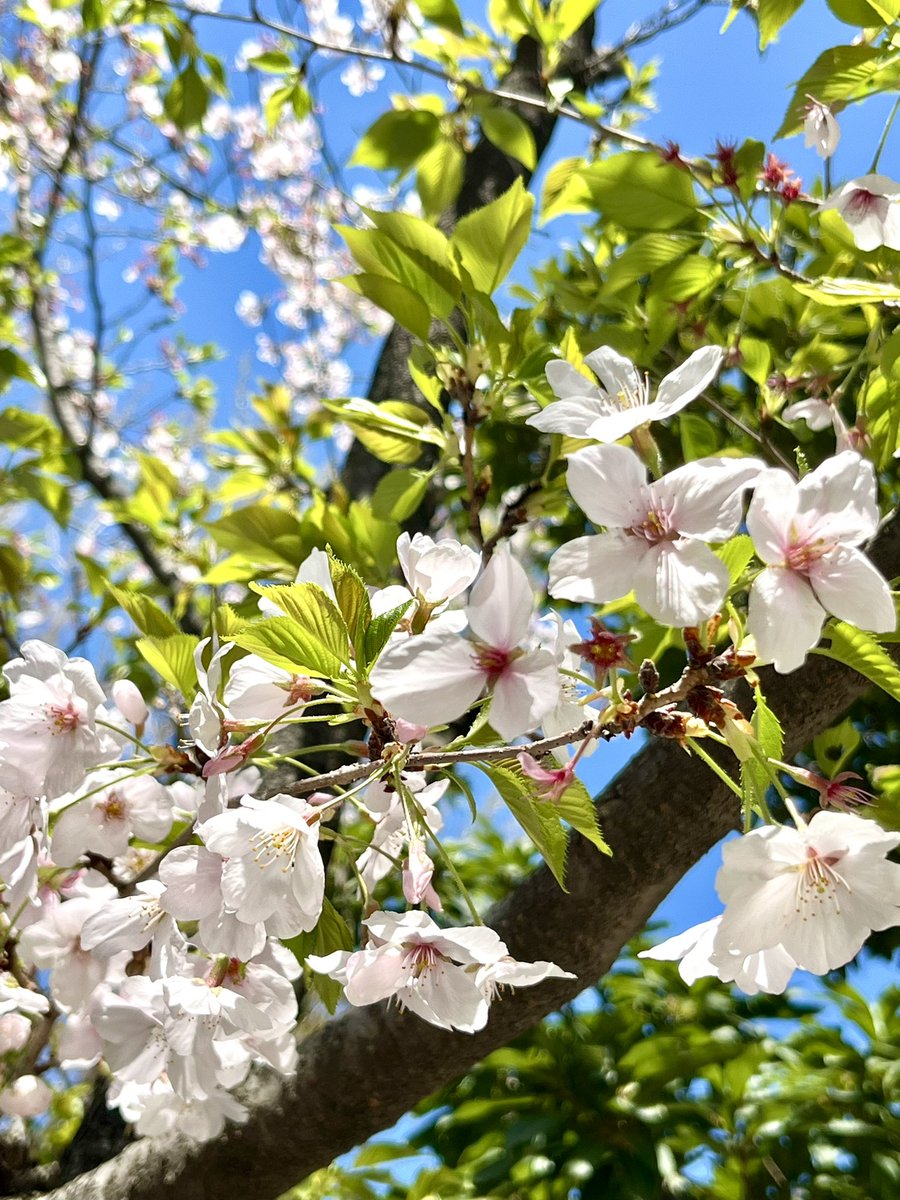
[[27, 1096], [130, 703]]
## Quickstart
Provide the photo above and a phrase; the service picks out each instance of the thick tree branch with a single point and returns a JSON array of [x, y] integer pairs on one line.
[[362, 1071]]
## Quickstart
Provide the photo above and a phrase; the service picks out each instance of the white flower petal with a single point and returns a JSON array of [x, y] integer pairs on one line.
[[848, 585], [502, 602], [687, 381], [608, 483], [784, 618], [597, 568], [428, 679], [680, 583], [703, 498]]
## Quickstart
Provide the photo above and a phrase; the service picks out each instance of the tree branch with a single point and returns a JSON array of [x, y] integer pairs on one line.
[[359, 1073]]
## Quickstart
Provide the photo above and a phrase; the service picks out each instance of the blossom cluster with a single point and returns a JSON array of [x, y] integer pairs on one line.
[[162, 900]]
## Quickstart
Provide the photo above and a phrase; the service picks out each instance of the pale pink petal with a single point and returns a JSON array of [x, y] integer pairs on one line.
[[429, 679], [839, 499], [680, 583], [573, 417], [502, 602], [617, 422], [784, 618], [567, 382], [608, 483], [687, 382], [619, 376], [373, 975], [598, 568], [523, 693], [771, 513], [448, 997], [848, 585], [704, 499]]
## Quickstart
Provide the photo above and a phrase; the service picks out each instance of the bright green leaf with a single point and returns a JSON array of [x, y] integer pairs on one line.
[[860, 651], [490, 239], [173, 659]]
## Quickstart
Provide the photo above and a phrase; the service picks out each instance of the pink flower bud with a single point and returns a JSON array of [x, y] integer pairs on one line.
[[27, 1096], [130, 703]]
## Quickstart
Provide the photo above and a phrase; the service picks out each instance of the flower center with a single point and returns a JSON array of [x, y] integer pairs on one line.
[[113, 808], [637, 398], [64, 717], [493, 660], [862, 203], [654, 528], [801, 554], [421, 957], [273, 845], [818, 883]]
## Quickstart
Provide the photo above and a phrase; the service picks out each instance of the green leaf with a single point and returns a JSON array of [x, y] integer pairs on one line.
[[865, 13], [410, 251], [439, 176], [397, 300], [490, 239], [838, 293], [510, 133], [735, 554], [173, 659], [576, 807], [146, 613], [13, 366], [538, 818], [271, 536], [860, 651], [755, 777], [394, 431], [698, 437], [566, 18], [835, 747], [399, 494], [275, 62], [640, 191], [645, 255], [380, 630], [443, 13], [396, 140], [771, 15], [187, 99], [353, 602], [21, 429], [839, 75], [331, 933], [318, 634]]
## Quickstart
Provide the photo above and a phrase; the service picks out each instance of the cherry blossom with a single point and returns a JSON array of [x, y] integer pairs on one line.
[[820, 128], [817, 890], [48, 726], [257, 691], [436, 571], [436, 973], [807, 534], [54, 943], [192, 876], [695, 951], [122, 806], [623, 403], [871, 207], [274, 871], [654, 543], [433, 678]]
